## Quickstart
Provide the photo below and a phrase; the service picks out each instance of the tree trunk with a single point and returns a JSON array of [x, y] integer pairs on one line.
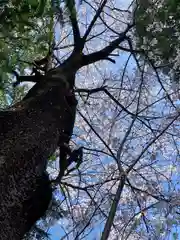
[[29, 134]]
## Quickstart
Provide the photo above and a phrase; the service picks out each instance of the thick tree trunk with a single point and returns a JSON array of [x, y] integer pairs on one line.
[[29, 134]]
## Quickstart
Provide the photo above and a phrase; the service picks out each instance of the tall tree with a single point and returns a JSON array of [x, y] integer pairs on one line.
[[125, 179], [32, 129]]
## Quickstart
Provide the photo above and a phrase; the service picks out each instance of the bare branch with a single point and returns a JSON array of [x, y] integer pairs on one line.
[[98, 12], [113, 209], [74, 23], [151, 142], [104, 53], [105, 144]]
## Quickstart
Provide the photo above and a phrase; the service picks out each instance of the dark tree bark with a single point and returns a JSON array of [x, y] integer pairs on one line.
[[30, 132]]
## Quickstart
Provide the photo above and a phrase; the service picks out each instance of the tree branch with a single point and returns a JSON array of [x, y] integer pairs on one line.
[[151, 142], [109, 222], [91, 127], [103, 89], [74, 23], [98, 12], [104, 53]]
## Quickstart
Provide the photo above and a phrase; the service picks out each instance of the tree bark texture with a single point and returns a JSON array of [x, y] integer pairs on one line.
[[29, 133]]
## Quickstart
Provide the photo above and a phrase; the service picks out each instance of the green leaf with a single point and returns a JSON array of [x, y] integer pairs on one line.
[[33, 3], [52, 158], [175, 236], [25, 16], [40, 8], [157, 21]]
